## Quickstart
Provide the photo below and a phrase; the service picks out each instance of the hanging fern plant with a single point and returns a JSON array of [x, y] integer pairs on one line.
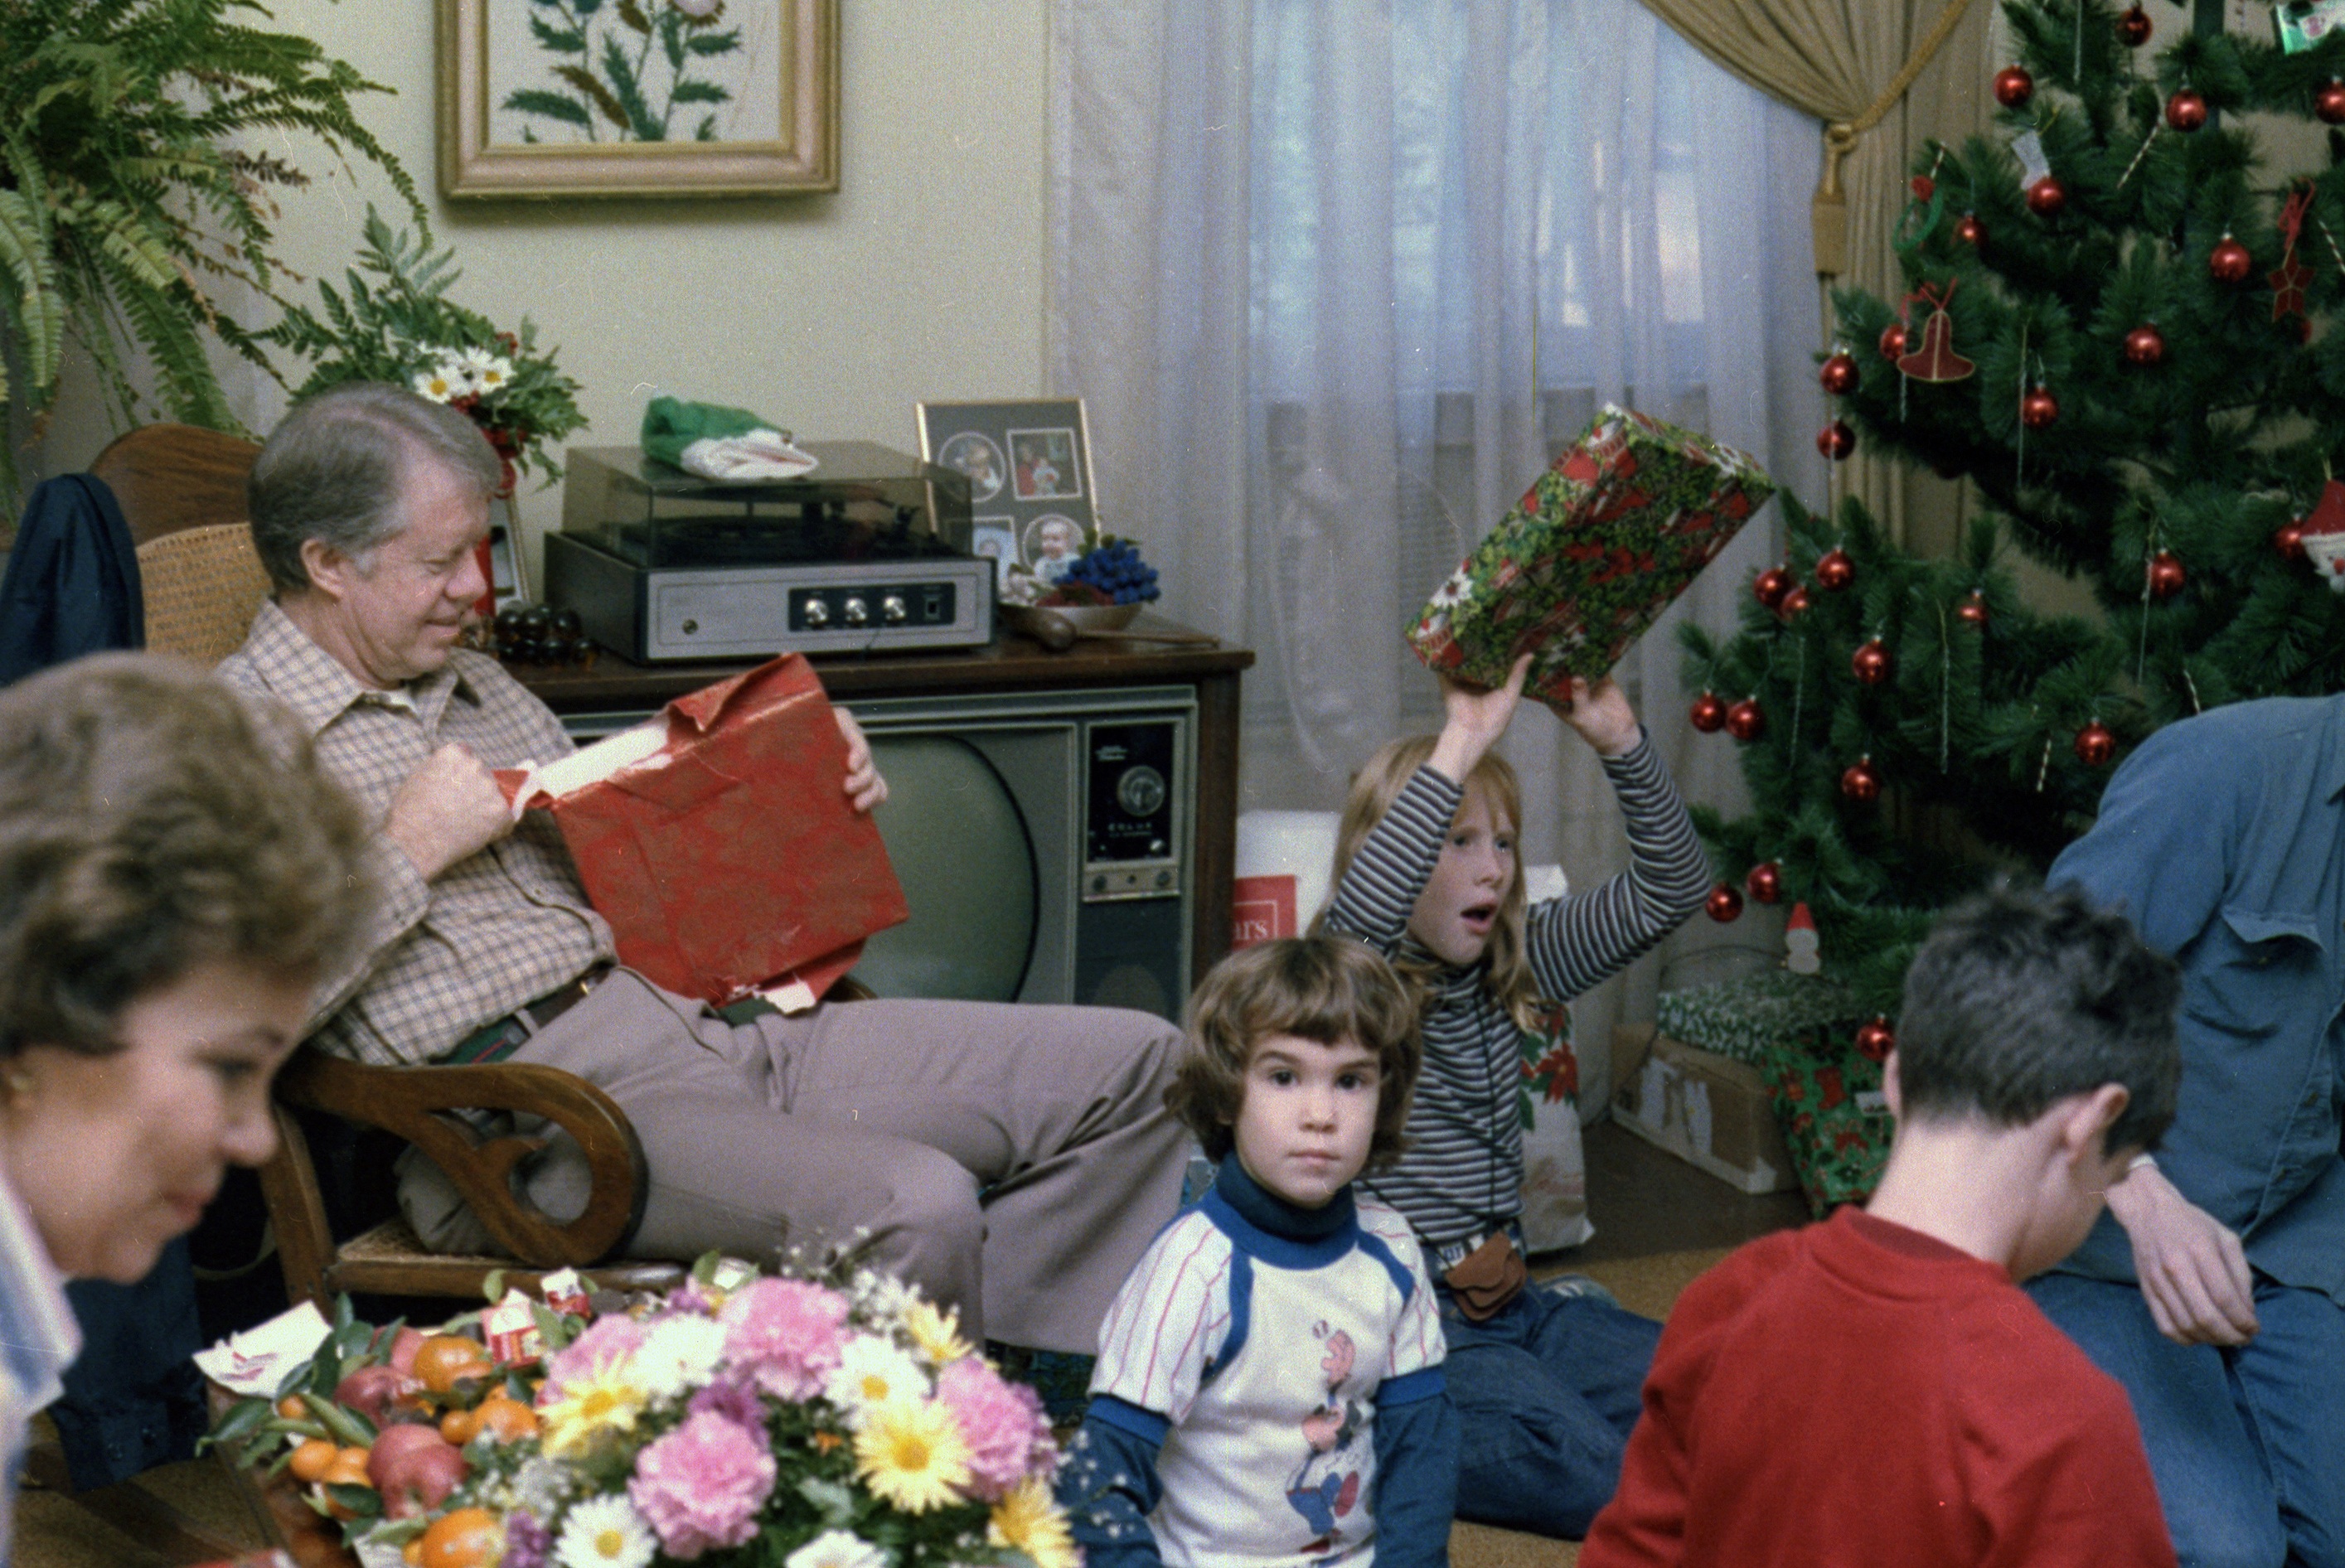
[[126, 198]]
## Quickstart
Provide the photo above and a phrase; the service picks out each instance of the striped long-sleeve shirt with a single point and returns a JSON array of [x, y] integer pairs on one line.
[[1462, 1177]]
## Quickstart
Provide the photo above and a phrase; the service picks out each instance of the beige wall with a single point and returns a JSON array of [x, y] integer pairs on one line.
[[920, 278]]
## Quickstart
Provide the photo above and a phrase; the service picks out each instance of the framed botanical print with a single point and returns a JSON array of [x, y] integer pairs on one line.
[[637, 98]]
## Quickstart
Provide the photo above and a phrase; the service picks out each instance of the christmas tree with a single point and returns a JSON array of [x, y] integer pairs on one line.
[[2119, 327]]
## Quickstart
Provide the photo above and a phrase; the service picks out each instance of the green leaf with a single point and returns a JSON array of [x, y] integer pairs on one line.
[[699, 93], [556, 40]]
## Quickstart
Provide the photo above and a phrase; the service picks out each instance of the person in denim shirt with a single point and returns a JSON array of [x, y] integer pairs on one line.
[[2213, 1287]]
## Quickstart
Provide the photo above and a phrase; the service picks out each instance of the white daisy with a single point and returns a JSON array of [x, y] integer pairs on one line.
[[680, 1354], [871, 1371], [605, 1533], [836, 1549], [443, 382], [487, 372]]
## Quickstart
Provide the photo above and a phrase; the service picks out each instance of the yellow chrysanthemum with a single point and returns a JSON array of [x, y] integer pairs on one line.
[[936, 1332], [912, 1455], [1028, 1521], [591, 1404]]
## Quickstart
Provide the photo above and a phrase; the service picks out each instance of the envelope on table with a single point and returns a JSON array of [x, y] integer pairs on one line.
[[718, 842], [1598, 547]]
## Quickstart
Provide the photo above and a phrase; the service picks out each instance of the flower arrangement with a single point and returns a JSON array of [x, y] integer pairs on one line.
[[1108, 572], [786, 1422], [405, 329]]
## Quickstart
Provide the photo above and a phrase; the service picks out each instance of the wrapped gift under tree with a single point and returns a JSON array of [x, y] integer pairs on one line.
[[1747, 1016], [1599, 546], [1828, 1102]]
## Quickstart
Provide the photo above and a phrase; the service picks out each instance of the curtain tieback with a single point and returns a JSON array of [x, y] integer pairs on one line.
[[1828, 211]]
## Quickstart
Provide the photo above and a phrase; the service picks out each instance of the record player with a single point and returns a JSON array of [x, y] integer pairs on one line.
[[868, 551]]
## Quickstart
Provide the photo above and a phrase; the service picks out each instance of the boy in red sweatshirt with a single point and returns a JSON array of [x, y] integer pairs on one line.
[[1876, 1388]]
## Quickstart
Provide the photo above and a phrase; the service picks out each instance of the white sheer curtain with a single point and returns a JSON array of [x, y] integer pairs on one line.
[[1336, 279]]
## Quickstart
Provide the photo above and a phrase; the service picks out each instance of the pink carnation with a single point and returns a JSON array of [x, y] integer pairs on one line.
[[609, 1340], [786, 1334], [702, 1484], [1009, 1437]]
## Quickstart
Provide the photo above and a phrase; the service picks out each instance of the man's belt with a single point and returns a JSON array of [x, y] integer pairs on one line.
[[501, 1037]]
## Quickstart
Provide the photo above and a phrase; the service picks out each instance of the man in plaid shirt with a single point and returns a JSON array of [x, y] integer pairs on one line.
[[1012, 1161]]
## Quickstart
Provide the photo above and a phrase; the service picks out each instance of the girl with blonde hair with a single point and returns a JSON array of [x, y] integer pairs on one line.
[[1545, 1381]]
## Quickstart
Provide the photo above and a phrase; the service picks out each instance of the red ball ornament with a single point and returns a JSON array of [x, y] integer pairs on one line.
[[1834, 571], [2229, 262], [2165, 574], [2095, 746], [1709, 713], [2329, 103], [1870, 663], [1770, 586], [1892, 340], [1765, 882], [2039, 410], [1744, 721], [1839, 374], [2046, 197], [2288, 540], [1860, 783], [2186, 110], [1974, 609], [2145, 345], [1724, 903], [1836, 440], [1875, 1040], [2014, 87], [1969, 230], [2134, 28], [1794, 603]]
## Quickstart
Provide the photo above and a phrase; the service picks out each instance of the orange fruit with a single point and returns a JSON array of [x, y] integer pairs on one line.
[[310, 1460], [462, 1538], [458, 1425], [292, 1407], [349, 1469], [412, 1552], [443, 1359], [507, 1417]]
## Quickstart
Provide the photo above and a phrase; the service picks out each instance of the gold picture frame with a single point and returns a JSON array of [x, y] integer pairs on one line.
[[562, 98]]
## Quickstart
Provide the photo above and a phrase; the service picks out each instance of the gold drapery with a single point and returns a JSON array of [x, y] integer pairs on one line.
[[1883, 77]]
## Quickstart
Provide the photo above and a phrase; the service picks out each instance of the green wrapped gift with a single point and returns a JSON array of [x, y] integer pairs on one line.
[[1599, 546], [1835, 1122], [1745, 1018]]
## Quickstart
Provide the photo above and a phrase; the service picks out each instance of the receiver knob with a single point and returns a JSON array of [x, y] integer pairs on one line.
[[893, 610], [858, 613], [1141, 791], [817, 614]]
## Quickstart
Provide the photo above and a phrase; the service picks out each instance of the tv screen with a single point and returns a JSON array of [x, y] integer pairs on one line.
[[962, 849]]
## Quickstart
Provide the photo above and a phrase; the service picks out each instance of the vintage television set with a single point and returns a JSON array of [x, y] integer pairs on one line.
[[1045, 841]]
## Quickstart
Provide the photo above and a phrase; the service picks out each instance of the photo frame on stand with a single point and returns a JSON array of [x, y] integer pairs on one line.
[[1028, 463]]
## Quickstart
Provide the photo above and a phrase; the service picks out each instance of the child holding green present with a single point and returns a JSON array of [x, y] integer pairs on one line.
[[1544, 1379]]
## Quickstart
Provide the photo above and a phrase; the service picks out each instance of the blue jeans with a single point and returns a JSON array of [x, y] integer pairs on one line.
[[2247, 1444], [1546, 1392]]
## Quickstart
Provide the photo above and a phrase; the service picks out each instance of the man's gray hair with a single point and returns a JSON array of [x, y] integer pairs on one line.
[[337, 468]]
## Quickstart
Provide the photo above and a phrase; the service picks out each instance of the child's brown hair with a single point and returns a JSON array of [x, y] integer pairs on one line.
[[1373, 789], [1321, 988]]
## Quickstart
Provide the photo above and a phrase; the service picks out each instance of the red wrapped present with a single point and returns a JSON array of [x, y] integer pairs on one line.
[[1599, 546], [718, 840]]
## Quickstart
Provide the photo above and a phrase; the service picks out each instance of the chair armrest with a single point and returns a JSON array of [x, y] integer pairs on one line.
[[415, 1103]]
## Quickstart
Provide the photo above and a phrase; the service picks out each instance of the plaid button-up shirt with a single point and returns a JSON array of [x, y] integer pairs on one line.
[[497, 929]]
